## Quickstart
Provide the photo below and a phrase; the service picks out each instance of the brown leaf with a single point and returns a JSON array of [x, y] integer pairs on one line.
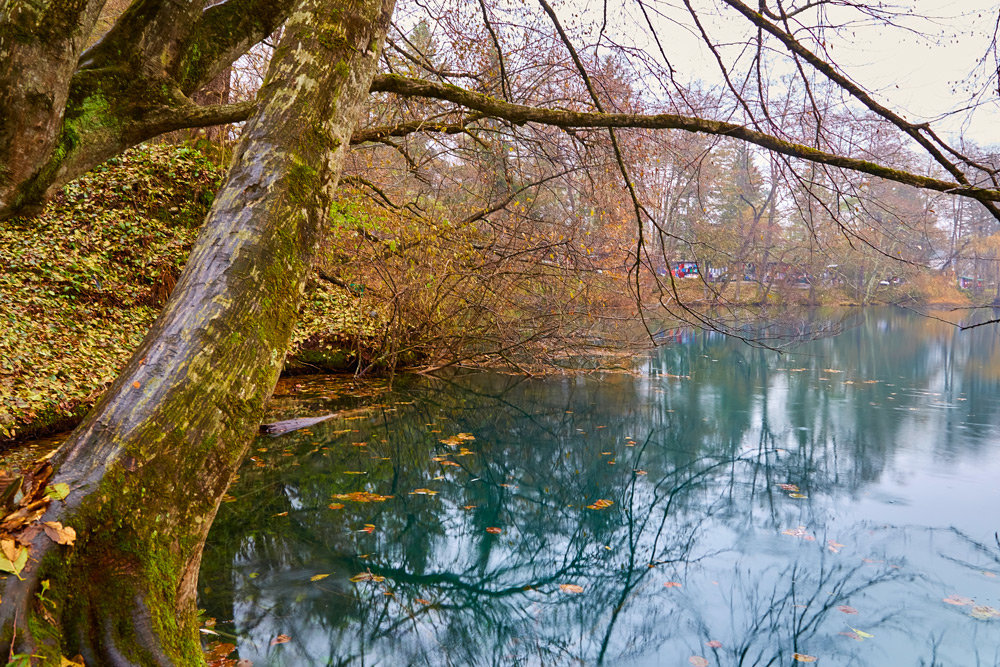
[[59, 533], [570, 588], [493, 530], [281, 639]]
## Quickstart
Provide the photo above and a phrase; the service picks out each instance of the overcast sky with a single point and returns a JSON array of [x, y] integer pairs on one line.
[[922, 76]]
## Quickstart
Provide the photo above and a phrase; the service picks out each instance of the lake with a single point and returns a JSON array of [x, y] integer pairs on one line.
[[721, 505]]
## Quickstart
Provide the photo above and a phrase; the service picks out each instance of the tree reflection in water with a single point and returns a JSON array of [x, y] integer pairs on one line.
[[693, 466]]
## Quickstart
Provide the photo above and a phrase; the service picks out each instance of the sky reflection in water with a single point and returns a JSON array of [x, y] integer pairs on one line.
[[889, 432]]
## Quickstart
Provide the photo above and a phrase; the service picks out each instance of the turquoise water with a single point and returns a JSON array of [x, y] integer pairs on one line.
[[840, 502]]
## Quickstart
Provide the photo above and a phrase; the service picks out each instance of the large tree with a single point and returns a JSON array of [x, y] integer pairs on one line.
[[147, 468]]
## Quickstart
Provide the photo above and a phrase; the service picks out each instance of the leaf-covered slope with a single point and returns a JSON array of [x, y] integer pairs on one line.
[[81, 283]]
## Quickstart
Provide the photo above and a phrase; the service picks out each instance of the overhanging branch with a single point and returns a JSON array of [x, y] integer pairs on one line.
[[519, 113]]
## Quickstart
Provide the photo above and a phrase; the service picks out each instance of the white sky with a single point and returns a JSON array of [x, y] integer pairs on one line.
[[920, 77]]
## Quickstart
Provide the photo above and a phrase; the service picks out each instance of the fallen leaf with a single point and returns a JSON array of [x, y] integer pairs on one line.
[[57, 491], [422, 601], [797, 495], [136, 384], [361, 497], [958, 600], [672, 584], [570, 588], [14, 558], [788, 487], [847, 610], [698, 661], [600, 504], [714, 644], [336, 506], [423, 492], [493, 530], [366, 576], [369, 528], [317, 577], [984, 613], [861, 633], [59, 533], [281, 639], [799, 532], [835, 547], [802, 657]]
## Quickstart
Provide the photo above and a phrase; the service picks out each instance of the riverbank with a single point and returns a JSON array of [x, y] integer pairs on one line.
[[82, 282]]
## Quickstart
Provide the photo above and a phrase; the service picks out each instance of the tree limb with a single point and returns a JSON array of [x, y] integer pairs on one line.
[[519, 113]]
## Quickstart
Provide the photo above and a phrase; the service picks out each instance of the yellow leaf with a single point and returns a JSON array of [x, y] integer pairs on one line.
[[423, 492], [861, 633], [802, 657], [366, 576], [317, 577]]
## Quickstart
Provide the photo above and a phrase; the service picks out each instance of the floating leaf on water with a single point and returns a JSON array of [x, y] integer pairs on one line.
[[714, 644], [369, 528], [600, 504], [802, 657], [984, 613], [423, 492], [861, 634], [570, 588], [799, 532], [988, 574], [361, 497], [835, 547], [493, 530], [797, 495], [355, 472], [698, 661], [672, 584], [336, 506], [366, 576], [281, 639], [317, 577], [847, 610], [422, 601], [959, 600], [851, 635], [788, 487]]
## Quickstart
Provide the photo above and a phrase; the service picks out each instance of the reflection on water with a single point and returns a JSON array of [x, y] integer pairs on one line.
[[824, 502]]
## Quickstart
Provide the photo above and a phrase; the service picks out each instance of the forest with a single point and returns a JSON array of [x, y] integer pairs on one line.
[[198, 197]]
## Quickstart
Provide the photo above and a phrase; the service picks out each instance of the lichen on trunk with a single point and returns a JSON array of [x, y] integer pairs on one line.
[[149, 465]]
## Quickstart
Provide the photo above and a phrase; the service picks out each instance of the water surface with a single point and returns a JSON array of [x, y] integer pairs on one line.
[[723, 502]]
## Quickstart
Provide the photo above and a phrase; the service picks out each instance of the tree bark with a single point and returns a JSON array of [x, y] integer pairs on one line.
[[149, 465], [64, 110]]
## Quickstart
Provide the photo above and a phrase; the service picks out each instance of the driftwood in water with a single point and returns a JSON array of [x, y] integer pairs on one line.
[[289, 425]]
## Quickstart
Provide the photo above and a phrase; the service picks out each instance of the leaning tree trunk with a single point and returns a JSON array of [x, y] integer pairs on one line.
[[148, 467]]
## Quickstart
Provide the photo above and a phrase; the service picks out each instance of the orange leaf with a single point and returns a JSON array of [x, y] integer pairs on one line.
[[672, 584], [698, 661], [281, 639], [570, 588], [493, 530], [714, 644], [802, 657], [136, 384]]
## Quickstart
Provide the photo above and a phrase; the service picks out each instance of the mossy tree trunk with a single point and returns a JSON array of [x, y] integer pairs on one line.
[[65, 108], [148, 467]]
